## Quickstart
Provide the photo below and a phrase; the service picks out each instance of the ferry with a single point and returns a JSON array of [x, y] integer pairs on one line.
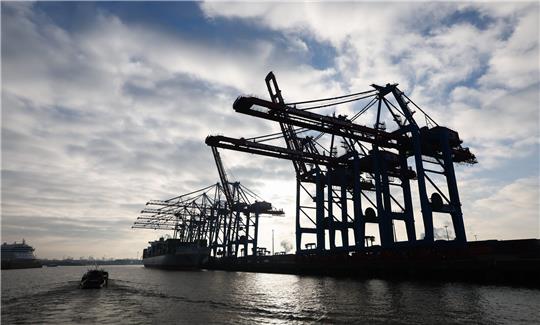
[[19, 256]]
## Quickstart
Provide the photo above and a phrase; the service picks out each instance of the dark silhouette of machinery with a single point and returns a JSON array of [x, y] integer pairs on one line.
[[240, 226], [224, 216], [367, 179], [375, 165]]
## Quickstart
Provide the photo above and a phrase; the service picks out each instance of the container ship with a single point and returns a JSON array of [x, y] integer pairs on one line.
[[19, 256], [173, 253]]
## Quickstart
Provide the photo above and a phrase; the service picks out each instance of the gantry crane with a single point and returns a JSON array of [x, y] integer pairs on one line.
[[385, 162], [197, 215], [242, 226], [227, 222]]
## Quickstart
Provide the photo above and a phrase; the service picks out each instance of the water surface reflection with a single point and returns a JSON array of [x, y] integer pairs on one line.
[[140, 296]]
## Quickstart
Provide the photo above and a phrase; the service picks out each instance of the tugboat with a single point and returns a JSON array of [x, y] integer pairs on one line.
[[94, 279]]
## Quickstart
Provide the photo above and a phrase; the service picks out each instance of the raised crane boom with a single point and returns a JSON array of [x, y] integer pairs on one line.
[[291, 139], [223, 177]]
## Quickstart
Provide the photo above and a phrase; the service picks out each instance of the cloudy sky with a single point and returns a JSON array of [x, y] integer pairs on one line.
[[106, 105]]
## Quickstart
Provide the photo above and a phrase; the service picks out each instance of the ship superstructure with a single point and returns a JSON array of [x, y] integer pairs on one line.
[[18, 256]]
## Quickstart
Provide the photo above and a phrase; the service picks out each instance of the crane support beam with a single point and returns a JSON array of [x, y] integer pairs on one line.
[[271, 151], [339, 126]]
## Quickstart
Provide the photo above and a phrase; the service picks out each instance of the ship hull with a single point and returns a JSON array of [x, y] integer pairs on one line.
[[20, 264], [19, 256], [178, 261]]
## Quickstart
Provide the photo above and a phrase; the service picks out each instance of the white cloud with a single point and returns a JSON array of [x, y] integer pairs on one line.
[[510, 212], [515, 63], [94, 124]]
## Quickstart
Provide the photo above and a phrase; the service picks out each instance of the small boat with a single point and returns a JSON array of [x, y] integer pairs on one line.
[[94, 279]]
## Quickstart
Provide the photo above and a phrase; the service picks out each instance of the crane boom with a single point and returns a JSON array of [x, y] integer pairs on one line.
[[223, 176], [291, 140], [271, 151], [339, 126]]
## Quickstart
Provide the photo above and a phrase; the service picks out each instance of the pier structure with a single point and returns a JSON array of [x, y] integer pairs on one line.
[[367, 179]]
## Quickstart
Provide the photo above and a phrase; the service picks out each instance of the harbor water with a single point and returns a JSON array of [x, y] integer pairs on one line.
[[137, 295]]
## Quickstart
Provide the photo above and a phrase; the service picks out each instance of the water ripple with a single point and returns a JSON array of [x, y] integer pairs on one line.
[[142, 296]]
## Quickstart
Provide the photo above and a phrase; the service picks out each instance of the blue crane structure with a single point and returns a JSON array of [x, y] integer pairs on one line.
[[368, 179]]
